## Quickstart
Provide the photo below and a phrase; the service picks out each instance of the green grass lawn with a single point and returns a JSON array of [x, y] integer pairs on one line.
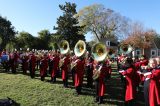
[[34, 92]]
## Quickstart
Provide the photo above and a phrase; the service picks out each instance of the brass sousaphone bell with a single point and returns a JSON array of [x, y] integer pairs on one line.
[[111, 53], [80, 48], [99, 53], [64, 47], [126, 49]]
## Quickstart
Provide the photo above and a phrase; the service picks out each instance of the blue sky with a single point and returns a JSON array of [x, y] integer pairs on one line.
[[35, 15]]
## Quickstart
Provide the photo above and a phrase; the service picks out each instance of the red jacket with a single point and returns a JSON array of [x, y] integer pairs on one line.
[[102, 88], [138, 76], [43, 66], [144, 62], [154, 88], [65, 67], [130, 74], [79, 72], [33, 61], [55, 65], [25, 63]]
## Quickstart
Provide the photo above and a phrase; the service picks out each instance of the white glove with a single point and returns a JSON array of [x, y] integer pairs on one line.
[[148, 73], [121, 71], [139, 72]]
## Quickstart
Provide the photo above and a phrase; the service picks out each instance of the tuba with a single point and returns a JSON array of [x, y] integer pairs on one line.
[[126, 49], [111, 53], [64, 49], [80, 48], [99, 53]]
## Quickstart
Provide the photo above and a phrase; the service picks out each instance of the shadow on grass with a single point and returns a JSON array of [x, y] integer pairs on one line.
[[114, 88]]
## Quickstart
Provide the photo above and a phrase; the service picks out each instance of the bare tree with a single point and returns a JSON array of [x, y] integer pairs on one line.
[[102, 22]]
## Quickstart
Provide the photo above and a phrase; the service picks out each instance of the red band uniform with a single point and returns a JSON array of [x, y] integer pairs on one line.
[[100, 82], [43, 67]]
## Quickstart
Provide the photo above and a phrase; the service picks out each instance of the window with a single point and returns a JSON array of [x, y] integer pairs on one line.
[[158, 52], [108, 43], [138, 52], [153, 53]]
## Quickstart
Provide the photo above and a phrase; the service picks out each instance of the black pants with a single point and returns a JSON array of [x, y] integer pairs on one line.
[[78, 89], [53, 79], [65, 82], [38, 64], [42, 78], [89, 77], [32, 73], [146, 92], [73, 73], [50, 69], [97, 87], [130, 103], [13, 68]]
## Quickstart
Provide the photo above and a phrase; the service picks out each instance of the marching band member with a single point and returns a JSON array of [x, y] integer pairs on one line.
[[79, 73], [89, 70], [50, 62], [24, 63], [73, 59], [79, 50], [32, 64], [5, 61], [108, 63], [38, 58], [144, 60], [43, 67], [99, 82], [55, 66], [129, 74], [65, 69], [158, 62], [101, 70], [152, 84], [13, 62]]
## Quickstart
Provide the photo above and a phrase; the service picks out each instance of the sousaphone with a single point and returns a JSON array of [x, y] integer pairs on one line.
[[111, 53], [80, 48], [99, 53], [64, 47], [126, 49]]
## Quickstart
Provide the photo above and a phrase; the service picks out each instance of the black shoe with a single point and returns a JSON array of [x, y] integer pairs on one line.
[[96, 100], [100, 100], [42, 78]]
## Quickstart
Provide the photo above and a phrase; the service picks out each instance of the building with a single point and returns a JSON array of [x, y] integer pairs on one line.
[[153, 51]]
